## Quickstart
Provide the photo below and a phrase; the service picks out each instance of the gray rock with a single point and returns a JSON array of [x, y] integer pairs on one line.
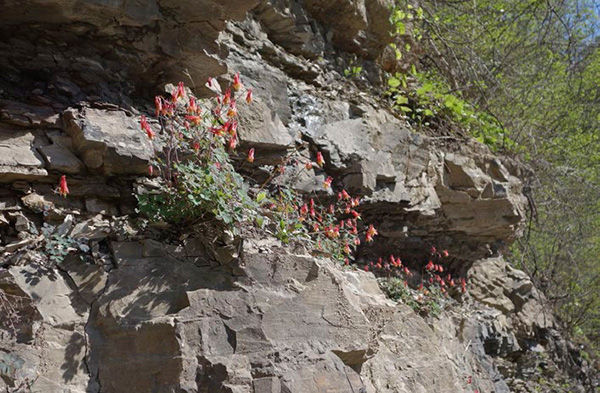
[[61, 159], [109, 141], [18, 157]]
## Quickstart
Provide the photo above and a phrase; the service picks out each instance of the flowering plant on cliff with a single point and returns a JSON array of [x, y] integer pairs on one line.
[[196, 180]]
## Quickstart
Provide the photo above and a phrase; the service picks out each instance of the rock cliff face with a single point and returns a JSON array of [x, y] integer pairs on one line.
[[133, 312]]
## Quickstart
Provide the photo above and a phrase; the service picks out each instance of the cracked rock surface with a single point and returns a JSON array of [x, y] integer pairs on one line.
[[139, 311]]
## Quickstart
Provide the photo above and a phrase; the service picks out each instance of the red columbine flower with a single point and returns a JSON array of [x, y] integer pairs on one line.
[[158, 105], [249, 96], [237, 84], [196, 120], [146, 127], [227, 97], [232, 142], [150, 170], [345, 195], [308, 165], [355, 214], [233, 127], [327, 182], [251, 155], [430, 266], [320, 160], [63, 189], [366, 268], [433, 250], [196, 147], [232, 111], [371, 231], [347, 248], [192, 107], [304, 210], [143, 122], [331, 209], [178, 92], [445, 253]]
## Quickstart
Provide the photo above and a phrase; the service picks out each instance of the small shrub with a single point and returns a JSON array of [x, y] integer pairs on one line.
[[425, 292], [197, 181]]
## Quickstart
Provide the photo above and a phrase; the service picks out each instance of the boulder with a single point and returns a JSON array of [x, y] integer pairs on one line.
[[109, 141]]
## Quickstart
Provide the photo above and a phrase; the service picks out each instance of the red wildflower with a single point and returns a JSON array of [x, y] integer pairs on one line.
[[345, 195], [251, 155], [192, 107], [194, 119], [327, 182], [433, 250], [146, 127], [63, 189], [366, 268], [308, 165], [320, 160], [430, 266], [304, 210], [227, 97], [150, 170], [445, 253], [237, 84], [232, 111], [371, 231], [158, 105], [178, 92], [249, 96], [232, 142]]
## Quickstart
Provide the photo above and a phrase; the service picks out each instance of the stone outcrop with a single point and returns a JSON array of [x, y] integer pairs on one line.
[[132, 309]]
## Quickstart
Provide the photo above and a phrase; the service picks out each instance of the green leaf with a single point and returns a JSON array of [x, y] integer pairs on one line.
[[261, 196], [393, 82]]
